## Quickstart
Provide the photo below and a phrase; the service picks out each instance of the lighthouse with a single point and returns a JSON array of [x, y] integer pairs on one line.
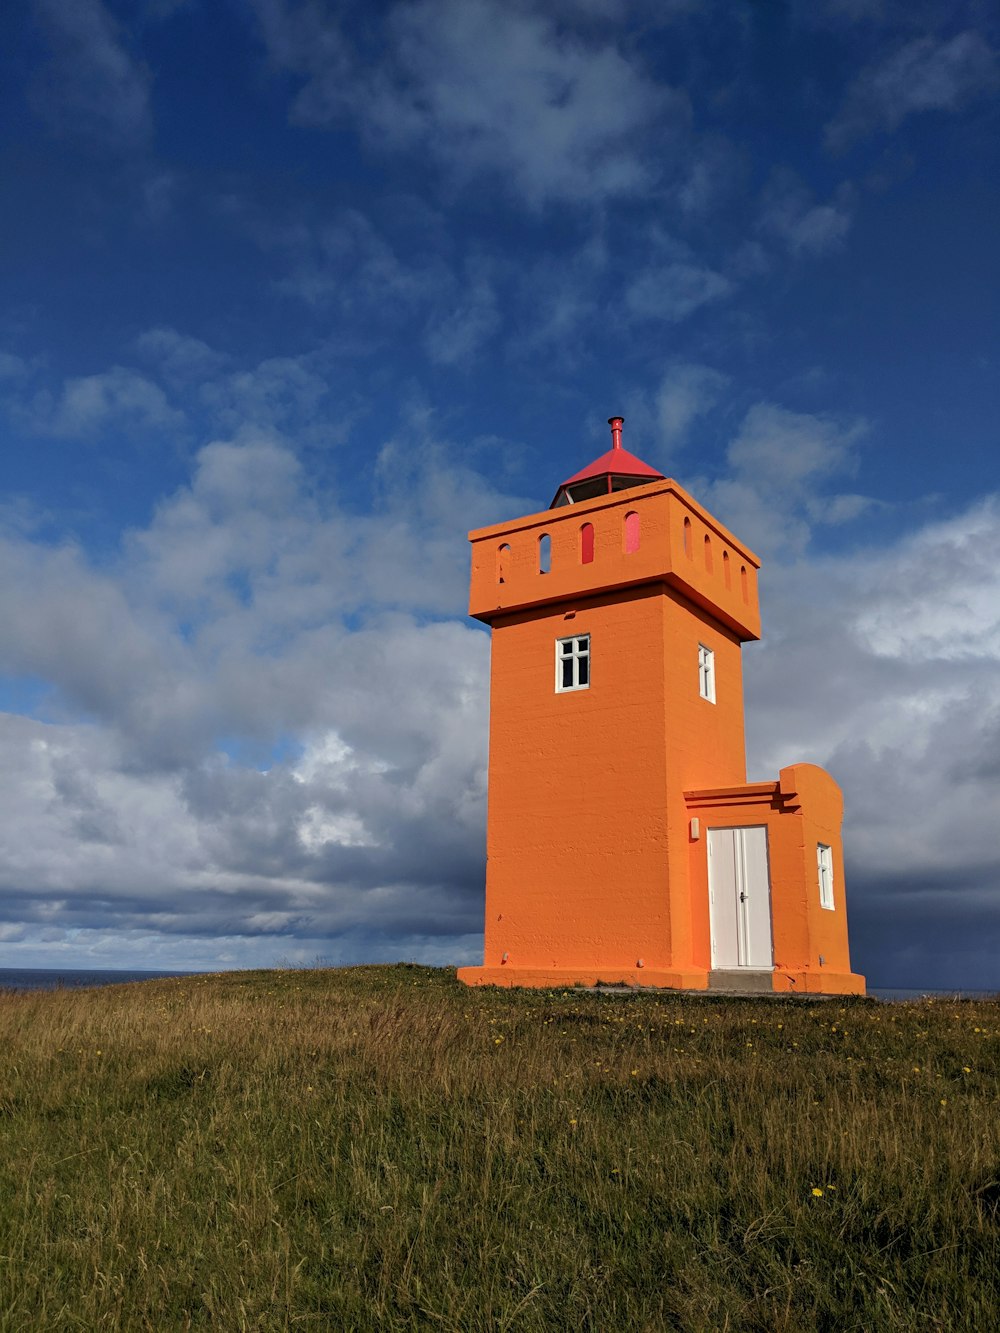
[[624, 843]]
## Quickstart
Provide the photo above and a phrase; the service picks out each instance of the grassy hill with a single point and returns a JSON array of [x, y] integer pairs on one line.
[[380, 1148]]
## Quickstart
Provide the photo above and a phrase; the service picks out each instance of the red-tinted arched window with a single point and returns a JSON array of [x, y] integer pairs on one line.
[[586, 543], [687, 536], [631, 532], [744, 583], [503, 563], [708, 553], [726, 571]]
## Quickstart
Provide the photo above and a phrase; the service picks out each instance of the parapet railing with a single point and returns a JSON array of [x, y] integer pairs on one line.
[[647, 533]]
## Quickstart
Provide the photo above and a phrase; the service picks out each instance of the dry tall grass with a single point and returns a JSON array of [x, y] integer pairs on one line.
[[380, 1148]]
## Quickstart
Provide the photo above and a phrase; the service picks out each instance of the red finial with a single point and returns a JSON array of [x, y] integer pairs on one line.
[[616, 424]]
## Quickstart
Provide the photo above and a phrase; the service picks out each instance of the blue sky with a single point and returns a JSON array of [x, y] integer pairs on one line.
[[293, 294]]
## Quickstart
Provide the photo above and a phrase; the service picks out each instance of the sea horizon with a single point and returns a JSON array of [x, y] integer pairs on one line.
[[56, 978]]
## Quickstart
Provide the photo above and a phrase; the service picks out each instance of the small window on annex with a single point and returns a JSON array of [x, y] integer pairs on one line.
[[824, 871], [706, 673], [573, 663]]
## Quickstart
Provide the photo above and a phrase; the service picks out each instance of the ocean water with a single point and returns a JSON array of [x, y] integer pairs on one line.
[[956, 993], [70, 978]]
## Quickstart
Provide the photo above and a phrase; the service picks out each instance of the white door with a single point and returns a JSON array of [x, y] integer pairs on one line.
[[739, 894]]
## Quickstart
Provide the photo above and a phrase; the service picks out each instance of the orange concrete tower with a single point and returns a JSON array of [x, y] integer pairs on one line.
[[624, 843]]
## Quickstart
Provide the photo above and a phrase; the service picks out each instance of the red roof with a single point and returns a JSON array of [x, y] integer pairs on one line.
[[617, 462], [620, 463]]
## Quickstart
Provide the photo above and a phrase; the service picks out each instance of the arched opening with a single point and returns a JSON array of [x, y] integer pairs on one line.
[[503, 563], [727, 573], [687, 538], [544, 553], [586, 543], [744, 583], [708, 553], [631, 532]]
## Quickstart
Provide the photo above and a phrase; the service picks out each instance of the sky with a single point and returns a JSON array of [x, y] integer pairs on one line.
[[294, 293]]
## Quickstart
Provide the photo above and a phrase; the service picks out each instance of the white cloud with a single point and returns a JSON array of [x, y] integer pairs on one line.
[[482, 87], [12, 367], [245, 600], [89, 843], [346, 261], [715, 170], [279, 392], [925, 74], [786, 450], [790, 213], [244, 615], [659, 423], [884, 665], [686, 392], [557, 301], [947, 610], [185, 380], [458, 331], [73, 627], [119, 398], [779, 466], [91, 85], [159, 191], [179, 358], [670, 292]]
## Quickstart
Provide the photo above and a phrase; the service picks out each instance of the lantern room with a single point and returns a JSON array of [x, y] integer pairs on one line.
[[616, 470]]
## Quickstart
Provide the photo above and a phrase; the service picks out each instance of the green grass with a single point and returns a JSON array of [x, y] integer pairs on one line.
[[380, 1148]]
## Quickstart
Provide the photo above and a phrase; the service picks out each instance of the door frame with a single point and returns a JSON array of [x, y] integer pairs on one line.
[[739, 886]]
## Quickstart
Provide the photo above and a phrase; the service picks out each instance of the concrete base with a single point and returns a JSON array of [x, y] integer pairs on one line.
[[746, 981], [735, 982], [565, 977], [741, 980], [820, 982]]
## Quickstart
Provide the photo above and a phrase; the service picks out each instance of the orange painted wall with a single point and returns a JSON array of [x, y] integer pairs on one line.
[[577, 822], [592, 872], [586, 787], [822, 934], [704, 741], [805, 807]]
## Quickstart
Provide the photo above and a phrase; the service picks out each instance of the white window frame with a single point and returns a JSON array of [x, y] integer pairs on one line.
[[824, 875], [579, 651], [706, 672]]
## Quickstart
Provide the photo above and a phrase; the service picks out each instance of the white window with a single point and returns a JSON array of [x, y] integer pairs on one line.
[[706, 673], [573, 663], [824, 870]]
